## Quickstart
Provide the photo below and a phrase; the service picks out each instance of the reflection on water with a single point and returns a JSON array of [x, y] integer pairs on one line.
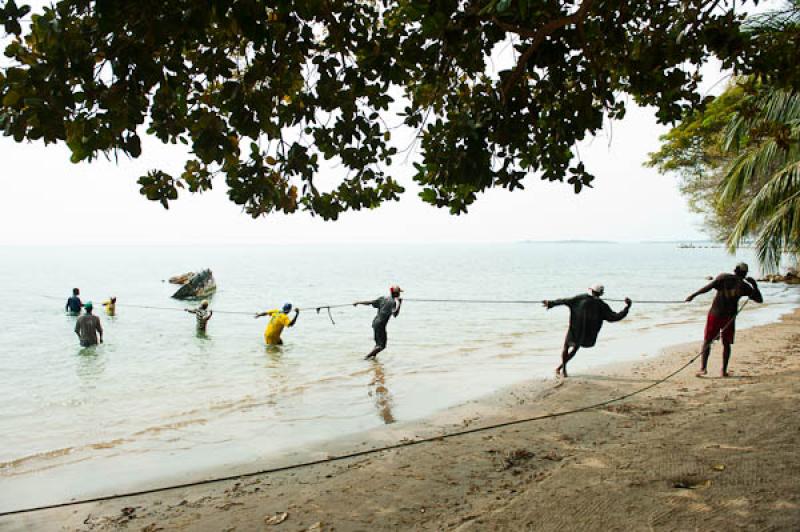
[[378, 389], [90, 364], [275, 353]]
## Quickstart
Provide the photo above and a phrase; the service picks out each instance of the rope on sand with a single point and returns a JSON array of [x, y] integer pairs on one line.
[[375, 450]]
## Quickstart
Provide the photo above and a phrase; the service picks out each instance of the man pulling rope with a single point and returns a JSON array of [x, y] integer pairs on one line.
[[587, 312]]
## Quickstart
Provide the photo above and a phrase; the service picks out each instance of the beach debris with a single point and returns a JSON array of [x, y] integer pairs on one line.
[[553, 456], [316, 526], [152, 527], [276, 519], [691, 484], [197, 286], [516, 457], [718, 467], [510, 459], [182, 278], [228, 505]]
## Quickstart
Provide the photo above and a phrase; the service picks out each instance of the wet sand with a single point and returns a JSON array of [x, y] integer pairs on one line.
[[692, 453]]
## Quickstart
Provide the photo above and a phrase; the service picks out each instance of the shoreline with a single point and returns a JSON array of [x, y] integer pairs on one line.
[[536, 451], [618, 348]]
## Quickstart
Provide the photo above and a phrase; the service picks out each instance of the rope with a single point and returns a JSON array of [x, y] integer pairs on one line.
[[149, 307], [343, 305], [530, 301], [367, 452]]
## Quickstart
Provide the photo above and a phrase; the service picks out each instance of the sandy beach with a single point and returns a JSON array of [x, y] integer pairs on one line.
[[690, 454]]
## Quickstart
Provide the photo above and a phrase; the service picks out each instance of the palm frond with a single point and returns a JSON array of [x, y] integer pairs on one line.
[[783, 187], [759, 160]]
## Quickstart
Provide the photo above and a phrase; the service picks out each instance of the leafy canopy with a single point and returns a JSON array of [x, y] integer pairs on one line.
[[262, 91], [739, 157]]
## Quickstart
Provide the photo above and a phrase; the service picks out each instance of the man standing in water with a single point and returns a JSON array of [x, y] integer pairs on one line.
[[74, 304], [721, 321], [387, 307], [110, 306], [587, 312], [202, 314], [88, 327], [279, 320]]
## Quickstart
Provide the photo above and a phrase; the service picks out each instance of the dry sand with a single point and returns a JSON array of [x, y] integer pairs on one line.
[[690, 454]]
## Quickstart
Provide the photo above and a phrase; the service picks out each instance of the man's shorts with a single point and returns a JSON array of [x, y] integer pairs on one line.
[[715, 324], [380, 335]]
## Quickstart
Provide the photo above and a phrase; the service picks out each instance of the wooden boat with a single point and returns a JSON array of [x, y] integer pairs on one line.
[[197, 286]]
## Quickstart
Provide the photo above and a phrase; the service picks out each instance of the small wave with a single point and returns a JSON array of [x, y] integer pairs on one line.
[[8, 467], [58, 453], [170, 426]]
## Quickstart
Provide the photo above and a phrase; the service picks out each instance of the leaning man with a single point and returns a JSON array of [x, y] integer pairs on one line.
[[721, 321], [587, 312]]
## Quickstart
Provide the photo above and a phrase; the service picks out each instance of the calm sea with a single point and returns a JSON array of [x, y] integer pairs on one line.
[[156, 402]]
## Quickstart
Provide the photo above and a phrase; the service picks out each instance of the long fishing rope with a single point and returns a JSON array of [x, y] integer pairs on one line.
[[532, 301], [318, 308], [375, 450]]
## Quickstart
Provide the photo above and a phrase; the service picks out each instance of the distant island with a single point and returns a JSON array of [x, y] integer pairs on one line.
[[687, 241], [568, 242]]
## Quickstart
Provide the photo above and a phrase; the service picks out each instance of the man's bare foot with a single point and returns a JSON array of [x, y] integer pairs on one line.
[[701, 373], [558, 372], [727, 373]]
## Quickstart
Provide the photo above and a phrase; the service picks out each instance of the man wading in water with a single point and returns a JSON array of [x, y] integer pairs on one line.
[[587, 312], [278, 320], [721, 319], [387, 307], [202, 315], [74, 304], [88, 327]]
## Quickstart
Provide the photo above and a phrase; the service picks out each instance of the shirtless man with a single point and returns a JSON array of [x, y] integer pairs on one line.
[[721, 321]]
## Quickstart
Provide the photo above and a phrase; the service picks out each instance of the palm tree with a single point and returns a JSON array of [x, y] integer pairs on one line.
[[765, 136]]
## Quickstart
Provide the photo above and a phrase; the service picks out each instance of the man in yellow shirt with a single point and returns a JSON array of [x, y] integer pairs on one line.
[[280, 319], [111, 306]]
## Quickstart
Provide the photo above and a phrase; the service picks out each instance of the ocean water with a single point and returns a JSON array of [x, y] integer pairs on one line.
[[158, 403]]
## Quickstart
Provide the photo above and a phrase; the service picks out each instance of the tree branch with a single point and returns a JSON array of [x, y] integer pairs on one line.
[[538, 37]]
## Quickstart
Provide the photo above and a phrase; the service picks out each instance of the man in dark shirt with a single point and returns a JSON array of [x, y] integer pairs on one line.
[[74, 304], [387, 307], [88, 327], [587, 312], [721, 321]]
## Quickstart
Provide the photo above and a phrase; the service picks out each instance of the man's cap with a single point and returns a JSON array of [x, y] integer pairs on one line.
[[597, 288], [395, 289], [87, 305], [287, 307], [742, 267]]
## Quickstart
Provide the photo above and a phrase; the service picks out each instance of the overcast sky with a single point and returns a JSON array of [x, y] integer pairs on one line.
[[48, 200]]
